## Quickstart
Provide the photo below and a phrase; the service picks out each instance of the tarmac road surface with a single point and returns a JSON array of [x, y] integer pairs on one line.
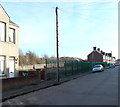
[[100, 88]]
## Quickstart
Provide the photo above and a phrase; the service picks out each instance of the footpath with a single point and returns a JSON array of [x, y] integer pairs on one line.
[[8, 94]]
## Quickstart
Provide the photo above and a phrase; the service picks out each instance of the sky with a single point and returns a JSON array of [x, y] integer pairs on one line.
[[82, 25]]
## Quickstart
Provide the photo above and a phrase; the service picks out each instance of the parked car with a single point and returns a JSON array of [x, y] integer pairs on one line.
[[112, 65], [98, 68], [117, 64]]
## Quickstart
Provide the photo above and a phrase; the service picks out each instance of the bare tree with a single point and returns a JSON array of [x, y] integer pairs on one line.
[[22, 58]]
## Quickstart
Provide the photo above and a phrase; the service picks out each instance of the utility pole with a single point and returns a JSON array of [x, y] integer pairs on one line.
[[57, 48]]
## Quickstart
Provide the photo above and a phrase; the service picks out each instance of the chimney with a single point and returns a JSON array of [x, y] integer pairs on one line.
[[98, 49], [103, 53], [106, 54], [94, 48]]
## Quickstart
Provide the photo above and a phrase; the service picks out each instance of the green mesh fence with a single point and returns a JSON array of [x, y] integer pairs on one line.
[[69, 68]]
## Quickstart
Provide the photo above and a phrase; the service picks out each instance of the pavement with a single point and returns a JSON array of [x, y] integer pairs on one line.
[[11, 93]]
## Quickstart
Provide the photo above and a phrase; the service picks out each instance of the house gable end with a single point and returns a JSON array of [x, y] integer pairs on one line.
[[3, 14], [90, 54], [98, 53]]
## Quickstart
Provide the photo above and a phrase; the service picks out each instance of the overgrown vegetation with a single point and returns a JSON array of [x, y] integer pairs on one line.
[[31, 58]]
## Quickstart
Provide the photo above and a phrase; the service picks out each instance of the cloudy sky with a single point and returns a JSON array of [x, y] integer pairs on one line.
[[82, 25]]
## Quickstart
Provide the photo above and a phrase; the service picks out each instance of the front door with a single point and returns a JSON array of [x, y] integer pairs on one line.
[[2, 65], [11, 67]]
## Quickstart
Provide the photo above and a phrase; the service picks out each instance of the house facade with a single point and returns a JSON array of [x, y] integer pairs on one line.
[[95, 56], [109, 58], [99, 56], [9, 54]]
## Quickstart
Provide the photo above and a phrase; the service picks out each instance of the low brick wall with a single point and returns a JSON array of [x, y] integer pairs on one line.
[[29, 73], [17, 82]]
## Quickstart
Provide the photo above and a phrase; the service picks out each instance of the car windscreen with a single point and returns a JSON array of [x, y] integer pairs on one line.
[[97, 66]]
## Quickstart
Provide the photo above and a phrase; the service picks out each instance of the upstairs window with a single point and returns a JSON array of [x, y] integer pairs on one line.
[[2, 31], [11, 35]]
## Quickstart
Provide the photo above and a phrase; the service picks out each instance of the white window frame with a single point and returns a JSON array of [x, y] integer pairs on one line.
[[2, 31], [11, 35], [2, 65]]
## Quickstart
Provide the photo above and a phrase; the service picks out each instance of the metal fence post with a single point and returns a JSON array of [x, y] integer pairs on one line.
[[77, 66], [46, 68], [72, 67], [65, 68]]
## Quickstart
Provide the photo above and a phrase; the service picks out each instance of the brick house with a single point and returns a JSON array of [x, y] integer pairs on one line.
[[95, 55], [9, 54], [100, 56]]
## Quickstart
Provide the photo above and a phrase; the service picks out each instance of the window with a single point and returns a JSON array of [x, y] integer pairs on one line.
[[2, 31], [2, 65], [11, 35]]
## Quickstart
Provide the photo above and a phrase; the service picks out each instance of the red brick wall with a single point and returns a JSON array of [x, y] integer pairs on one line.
[[17, 82], [30, 73], [95, 56], [32, 77]]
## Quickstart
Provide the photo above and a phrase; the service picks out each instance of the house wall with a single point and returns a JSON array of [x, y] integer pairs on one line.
[[100, 56], [7, 48], [95, 56]]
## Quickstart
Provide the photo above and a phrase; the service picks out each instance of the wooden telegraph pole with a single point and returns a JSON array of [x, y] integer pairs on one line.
[[57, 47]]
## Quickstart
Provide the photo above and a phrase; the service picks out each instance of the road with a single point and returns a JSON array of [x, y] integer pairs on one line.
[[99, 88]]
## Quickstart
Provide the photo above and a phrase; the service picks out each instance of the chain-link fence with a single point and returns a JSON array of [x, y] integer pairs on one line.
[[69, 68]]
